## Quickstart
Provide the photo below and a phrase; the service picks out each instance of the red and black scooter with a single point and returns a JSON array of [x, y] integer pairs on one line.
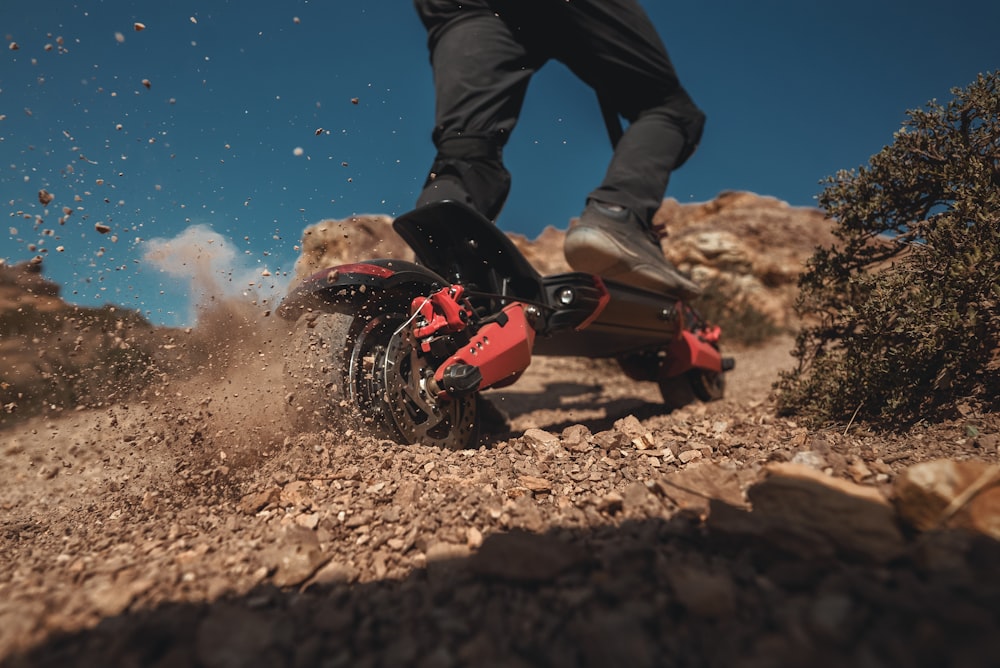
[[408, 347]]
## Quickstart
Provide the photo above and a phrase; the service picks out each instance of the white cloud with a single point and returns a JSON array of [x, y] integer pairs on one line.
[[213, 268]]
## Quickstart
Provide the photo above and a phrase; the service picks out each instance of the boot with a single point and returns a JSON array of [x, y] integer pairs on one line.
[[613, 243]]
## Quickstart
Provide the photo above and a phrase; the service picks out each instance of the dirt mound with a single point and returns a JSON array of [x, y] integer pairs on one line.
[[54, 356], [329, 243], [600, 531]]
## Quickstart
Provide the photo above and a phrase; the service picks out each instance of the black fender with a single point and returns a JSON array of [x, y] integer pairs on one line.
[[458, 242], [348, 287]]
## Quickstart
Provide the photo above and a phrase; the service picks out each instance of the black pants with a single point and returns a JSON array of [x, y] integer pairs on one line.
[[484, 52]]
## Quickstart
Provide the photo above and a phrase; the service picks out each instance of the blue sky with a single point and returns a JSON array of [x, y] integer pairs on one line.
[[206, 154]]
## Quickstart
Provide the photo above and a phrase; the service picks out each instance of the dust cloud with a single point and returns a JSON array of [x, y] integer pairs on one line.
[[213, 268], [225, 373]]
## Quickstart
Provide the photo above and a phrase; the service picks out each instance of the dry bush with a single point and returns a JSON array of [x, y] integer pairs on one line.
[[904, 306]]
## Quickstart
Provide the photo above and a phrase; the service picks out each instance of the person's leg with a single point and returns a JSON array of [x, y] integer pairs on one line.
[[481, 73], [613, 47]]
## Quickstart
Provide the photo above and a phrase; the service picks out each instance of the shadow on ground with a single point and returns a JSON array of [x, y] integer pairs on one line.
[[644, 593]]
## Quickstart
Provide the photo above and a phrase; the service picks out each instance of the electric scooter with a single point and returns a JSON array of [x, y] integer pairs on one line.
[[407, 347]]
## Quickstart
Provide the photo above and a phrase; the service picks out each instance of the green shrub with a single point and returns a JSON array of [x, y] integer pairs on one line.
[[903, 308]]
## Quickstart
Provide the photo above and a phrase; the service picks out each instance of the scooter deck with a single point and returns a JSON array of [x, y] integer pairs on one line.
[[581, 314], [624, 319]]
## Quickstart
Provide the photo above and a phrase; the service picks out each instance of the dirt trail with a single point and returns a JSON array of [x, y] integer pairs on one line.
[[188, 528]]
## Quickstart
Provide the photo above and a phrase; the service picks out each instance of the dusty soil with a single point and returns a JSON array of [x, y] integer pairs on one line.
[[187, 527]]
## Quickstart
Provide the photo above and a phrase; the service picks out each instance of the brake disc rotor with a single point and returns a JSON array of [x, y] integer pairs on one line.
[[392, 390]]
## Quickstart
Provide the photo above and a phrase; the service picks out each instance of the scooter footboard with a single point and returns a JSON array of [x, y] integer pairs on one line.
[[599, 318]]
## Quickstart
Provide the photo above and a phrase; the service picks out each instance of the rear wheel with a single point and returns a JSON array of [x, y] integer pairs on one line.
[[677, 391], [707, 385], [366, 369], [697, 383]]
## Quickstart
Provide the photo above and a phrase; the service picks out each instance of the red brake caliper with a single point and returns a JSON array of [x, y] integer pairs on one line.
[[441, 313], [495, 356]]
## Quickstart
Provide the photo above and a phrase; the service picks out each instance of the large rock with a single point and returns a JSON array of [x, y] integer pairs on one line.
[[694, 487], [755, 246], [924, 495], [294, 556], [520, 556], [231, 636], [817, 516]]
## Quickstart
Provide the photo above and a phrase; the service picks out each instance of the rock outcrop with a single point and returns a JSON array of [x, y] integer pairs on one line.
[[54, 355], [756, 246], [753, 246], [332, 242]]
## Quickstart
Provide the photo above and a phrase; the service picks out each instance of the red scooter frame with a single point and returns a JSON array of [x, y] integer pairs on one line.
[[471, 313]]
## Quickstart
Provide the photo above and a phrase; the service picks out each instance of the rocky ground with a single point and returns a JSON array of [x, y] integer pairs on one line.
[[190, 530], [185, 525]]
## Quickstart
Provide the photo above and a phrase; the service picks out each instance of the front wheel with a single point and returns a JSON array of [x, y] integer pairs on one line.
[[365, 370]]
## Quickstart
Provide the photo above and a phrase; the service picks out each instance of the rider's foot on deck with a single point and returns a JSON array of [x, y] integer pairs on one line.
[[611, 242]]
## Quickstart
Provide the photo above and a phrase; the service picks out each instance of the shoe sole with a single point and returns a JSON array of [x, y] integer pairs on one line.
[[594, 252]]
